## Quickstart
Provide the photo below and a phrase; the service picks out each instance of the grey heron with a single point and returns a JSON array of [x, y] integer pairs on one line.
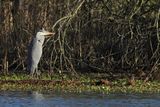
[[35, 51]]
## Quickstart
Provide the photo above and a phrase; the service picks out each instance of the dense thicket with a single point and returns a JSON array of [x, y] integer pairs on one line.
[[91, 35]]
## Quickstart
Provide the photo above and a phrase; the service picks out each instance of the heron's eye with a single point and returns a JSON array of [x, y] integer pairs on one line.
[[39, 40]]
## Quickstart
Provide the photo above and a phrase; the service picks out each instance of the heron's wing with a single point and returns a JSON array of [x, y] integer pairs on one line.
[[34, 53], [29, 58]]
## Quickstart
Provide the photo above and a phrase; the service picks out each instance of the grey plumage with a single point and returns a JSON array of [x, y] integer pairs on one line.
[[35, 51]]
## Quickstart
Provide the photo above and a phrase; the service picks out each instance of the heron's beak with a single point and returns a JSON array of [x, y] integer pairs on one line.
[[48, 34]]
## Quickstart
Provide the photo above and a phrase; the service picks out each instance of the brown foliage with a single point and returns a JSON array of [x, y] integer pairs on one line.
[[99, 35]]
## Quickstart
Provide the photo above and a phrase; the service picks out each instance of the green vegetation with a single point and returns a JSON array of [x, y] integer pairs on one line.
[[68, 83]]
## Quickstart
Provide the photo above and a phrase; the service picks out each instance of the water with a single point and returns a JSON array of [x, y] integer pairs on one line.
[[56, 99]]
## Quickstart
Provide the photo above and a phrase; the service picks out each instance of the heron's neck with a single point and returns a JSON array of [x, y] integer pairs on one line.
[[40, 41]]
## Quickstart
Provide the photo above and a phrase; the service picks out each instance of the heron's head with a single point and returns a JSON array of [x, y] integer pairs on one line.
[[43, 33], [40, 36]]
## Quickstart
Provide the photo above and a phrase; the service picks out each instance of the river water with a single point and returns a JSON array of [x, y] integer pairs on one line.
[[58, 99]]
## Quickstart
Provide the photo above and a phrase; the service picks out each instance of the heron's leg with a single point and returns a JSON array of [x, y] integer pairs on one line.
[[32, 72], [38, 73]]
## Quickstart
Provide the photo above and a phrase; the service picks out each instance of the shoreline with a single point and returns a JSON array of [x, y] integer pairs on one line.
[[83, 84]]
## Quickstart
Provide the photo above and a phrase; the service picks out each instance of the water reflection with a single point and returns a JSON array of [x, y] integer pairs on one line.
[[57, 99], [37, 96]]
